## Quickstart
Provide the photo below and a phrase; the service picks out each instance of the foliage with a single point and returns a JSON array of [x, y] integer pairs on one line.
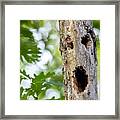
[[96, 24], [30, 54], [28, 47], [98, 58]]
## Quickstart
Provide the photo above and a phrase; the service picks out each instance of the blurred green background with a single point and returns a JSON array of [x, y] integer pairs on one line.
[[41, 75]]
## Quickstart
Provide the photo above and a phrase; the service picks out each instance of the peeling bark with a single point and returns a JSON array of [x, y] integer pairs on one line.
[[78, 50]]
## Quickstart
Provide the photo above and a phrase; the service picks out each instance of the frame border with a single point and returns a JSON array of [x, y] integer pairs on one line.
[[55, 2]]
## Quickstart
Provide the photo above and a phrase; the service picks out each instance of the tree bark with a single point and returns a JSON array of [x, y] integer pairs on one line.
[[78, 50]]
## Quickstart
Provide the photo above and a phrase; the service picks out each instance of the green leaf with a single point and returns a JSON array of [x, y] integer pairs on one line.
[[50, 74], [24, 97], [96, 24], [37, 82], [30, 92], [30, 24], [24, 32], [41, 95], [21, 91], [28, 46], [29, 51], [41, 23], [23, 75], [39, 78], [56, 83], [36, 87], [58, 77], [25, 23]]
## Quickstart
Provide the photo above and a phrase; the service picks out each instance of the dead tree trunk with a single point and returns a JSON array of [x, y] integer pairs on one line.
[[78, 50]]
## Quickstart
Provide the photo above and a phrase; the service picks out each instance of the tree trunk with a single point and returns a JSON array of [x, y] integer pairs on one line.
[[78, 50]]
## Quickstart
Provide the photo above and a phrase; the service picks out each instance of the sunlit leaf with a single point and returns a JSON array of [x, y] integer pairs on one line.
[[39, 78], [28, 47], [41, 95], [41, 23], [23, 97], [96, 24], [24, 75]]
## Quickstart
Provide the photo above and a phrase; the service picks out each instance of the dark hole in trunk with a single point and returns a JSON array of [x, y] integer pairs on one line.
[[81, 77], [85, 39]]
